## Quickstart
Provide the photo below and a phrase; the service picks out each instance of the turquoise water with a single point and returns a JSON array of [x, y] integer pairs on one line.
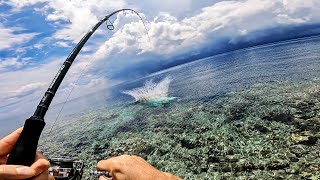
[[247, 114]]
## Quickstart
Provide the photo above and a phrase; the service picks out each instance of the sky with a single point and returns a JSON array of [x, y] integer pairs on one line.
[[37, 35]]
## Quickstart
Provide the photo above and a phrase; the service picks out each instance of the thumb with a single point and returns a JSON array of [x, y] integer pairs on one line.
[[16, 172]]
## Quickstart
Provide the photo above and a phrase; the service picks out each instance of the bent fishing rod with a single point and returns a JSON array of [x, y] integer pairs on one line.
[[24, 151]]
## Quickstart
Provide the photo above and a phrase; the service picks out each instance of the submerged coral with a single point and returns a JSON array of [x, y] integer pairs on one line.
[[269, 131]]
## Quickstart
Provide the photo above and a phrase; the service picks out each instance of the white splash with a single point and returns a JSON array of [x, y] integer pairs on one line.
[[151, 91]]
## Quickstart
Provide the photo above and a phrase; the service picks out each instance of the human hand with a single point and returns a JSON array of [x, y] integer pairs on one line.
[[127, 167], [38, 170]]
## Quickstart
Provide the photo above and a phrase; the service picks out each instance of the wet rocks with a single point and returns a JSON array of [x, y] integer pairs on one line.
[[190, 144], [306, 109], [232, 158], [145, 150], [204, 168], [312, 124], [138, 123], [306, 138], [261, 128], [136, 147], [213, 159], [283, 116], [299, 150], [243, 166], [248, 166], [236, 113], [277, 165], [115, 152]]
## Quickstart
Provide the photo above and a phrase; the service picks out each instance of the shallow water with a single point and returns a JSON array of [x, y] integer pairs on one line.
[[252, 113]]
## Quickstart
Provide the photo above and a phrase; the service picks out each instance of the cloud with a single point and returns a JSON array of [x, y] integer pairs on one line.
[[78, 15], [18, 4], [285, 19], [10, 37], [17, 83], [172, 36], [13, 63], [62, 44], [26, 89], [175, 29], [39, 45], [227, 19], [22, 89], [10, 62], [296, 5]]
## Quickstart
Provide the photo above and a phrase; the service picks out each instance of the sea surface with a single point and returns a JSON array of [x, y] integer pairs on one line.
[[293, 60], [248, 114]]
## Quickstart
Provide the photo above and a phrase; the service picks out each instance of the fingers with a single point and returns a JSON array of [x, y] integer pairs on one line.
[[104, 178], [41, 164], [113, 164], [7, 143], [16, 172], [44, 176], [3, 159], [38, 170], [105, 165]]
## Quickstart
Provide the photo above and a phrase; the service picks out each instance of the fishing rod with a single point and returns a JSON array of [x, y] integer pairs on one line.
[[24, 151]]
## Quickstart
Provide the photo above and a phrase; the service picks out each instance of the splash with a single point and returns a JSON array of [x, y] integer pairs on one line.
[[151, 93]]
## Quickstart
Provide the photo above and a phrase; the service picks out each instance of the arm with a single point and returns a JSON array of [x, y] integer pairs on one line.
[[133, 168]]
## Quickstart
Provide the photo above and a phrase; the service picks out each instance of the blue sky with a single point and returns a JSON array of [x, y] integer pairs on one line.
[[37, 35]]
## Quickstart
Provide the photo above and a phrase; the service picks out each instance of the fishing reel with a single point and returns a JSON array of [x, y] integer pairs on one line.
[[64, 168]]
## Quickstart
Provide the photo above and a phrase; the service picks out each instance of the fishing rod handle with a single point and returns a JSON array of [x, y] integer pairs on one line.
[[24, 151]]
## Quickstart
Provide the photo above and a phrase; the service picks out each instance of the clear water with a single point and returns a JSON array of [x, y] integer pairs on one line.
[[251, 113], [295, 60]]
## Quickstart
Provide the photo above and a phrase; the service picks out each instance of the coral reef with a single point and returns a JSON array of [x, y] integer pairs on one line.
[[269, 131]]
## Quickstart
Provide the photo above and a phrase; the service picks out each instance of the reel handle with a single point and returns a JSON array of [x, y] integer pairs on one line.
[[24, 151]]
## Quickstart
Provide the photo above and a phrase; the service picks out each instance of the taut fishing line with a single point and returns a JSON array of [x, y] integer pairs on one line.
[[69, 94], [109, 27]]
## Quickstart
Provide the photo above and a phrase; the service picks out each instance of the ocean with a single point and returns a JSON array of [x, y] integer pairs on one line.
[[253, 113]]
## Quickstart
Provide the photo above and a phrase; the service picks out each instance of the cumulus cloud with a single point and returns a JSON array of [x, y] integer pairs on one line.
[[62, 44], [172, 34], [10, 37], [232, 19], [169, 35], [10, 62], [18, 4], [285, 19], [39, 45], [79, 15]]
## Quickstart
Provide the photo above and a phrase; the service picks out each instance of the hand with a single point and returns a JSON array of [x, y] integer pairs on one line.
[[127, 167], [38, 170]]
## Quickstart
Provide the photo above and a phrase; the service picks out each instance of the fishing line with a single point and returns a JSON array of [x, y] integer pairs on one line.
[[145, 27], [109, 27], [65, 102]]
